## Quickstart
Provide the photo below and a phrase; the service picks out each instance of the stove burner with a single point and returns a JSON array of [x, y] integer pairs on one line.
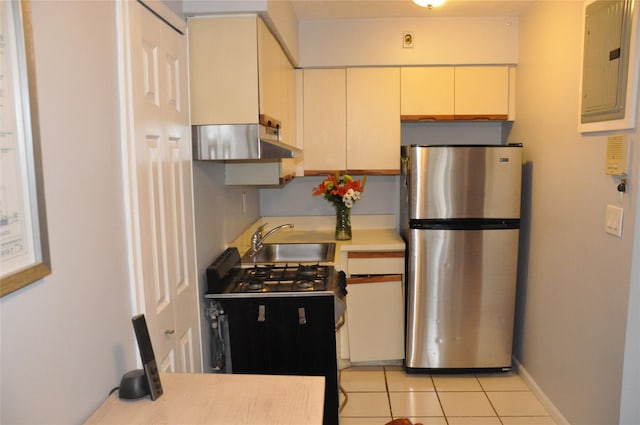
[[303, 284], [254, 284], [307, 271], [259, 272]]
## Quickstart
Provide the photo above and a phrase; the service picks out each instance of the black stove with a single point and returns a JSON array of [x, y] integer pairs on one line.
[[276, 319], [227, 277]]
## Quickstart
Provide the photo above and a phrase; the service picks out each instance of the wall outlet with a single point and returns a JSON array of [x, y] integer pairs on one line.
[[613, 220]]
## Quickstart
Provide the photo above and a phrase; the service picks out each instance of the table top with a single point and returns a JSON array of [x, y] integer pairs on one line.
[[222, 399]]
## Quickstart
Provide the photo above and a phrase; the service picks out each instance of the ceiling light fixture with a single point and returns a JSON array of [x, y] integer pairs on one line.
[[429, 3]]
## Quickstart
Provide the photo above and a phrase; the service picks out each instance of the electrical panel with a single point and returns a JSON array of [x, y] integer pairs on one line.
[[607, 36]]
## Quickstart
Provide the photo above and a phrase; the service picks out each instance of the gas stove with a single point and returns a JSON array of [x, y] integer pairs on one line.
[[284, 278], [277, 319], [226, 277]]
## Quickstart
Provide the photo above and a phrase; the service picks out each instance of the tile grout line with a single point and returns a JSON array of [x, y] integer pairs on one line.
[[444, 415], [484, 391], [386, 386]]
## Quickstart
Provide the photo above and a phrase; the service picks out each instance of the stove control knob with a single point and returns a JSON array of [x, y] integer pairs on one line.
[[342, 283]]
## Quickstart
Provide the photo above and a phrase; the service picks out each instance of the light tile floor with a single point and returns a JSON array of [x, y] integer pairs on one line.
[[378, 394]]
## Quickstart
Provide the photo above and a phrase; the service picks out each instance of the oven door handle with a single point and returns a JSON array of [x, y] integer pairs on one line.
[[262, 313], [302, 316]]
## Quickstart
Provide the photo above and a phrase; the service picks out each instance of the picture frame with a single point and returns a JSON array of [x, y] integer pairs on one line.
[[24, 245]]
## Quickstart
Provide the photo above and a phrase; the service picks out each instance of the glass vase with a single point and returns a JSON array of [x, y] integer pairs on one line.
[[343, 223]]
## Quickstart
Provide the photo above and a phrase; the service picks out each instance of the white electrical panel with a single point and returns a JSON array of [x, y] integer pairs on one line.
[[617, 163], [607, 36]]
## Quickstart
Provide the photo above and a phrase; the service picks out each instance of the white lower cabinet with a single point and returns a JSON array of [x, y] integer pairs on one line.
[[375, 306]]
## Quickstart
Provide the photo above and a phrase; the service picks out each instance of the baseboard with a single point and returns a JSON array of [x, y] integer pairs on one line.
[[553, 411]]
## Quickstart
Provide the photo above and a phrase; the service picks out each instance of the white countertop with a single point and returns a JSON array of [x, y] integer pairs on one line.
[[191, 398], [369, 239], [369, 233]]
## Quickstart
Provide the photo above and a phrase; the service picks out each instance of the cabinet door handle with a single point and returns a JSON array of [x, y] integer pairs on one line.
[[302, 316], [261, 313]]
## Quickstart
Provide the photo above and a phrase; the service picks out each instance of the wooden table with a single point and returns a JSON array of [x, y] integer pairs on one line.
[[222, 399]]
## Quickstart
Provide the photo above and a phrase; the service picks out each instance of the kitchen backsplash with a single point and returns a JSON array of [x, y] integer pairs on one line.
[[380, 196]]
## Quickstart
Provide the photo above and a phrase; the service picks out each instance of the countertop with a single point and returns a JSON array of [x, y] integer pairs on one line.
[[191, 398], [369, 239], [369, 233]]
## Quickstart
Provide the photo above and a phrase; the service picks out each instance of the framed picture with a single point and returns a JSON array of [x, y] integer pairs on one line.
[[24, 247]]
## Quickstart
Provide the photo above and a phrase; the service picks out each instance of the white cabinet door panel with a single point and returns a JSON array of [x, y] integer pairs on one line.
[[325, 117], [376, 319], [482, 90], [427, 91], [373, 118]]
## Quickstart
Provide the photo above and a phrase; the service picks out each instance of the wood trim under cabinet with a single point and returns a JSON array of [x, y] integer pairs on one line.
[[391, 172], [426, 118], [323, 173], [432, 118], [374, 279], [494, 117], [375, 254]]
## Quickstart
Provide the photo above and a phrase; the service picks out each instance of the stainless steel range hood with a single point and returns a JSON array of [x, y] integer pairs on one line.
[[227, 142]]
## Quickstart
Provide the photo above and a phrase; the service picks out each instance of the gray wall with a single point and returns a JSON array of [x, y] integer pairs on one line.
[[67, 339], [380, 197], [575, 279]]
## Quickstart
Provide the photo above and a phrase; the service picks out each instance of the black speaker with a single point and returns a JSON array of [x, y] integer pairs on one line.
[[140, 382]]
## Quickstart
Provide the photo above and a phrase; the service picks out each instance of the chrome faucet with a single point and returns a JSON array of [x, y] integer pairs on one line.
[[257, 238]]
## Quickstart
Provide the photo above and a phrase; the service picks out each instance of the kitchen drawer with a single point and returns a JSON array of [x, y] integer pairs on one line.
[[375, 262]]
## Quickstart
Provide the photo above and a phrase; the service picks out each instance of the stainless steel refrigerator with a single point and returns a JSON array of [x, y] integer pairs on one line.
[[460, 217]]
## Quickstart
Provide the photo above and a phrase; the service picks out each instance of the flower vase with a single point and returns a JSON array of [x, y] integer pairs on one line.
[[343, 223]]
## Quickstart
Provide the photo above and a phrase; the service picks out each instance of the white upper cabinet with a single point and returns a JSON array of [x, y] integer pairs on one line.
[[482, 92], [457, 93], [351, 121], [427, 92], [287, 96], [270, 68], [223, 69], [238, 72], [325, 120], [373, 124]]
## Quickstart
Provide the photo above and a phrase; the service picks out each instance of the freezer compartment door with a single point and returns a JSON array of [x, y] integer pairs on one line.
[[461, 288], [463, 181]]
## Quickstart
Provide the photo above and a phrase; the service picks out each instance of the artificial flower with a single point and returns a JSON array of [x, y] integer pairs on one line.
[[341, 190]]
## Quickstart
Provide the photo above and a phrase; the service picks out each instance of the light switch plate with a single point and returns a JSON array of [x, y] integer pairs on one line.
[[613, 220]]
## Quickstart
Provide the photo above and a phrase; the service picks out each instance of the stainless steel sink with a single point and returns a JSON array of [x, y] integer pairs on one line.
[[323, 252]]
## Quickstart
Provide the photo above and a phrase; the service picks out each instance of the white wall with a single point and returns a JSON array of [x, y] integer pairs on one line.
[[629, 406], [67, 339], [439, 41], [219, 219], [574, 280]]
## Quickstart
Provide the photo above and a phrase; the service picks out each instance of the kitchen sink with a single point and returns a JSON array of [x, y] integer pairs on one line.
[[323, 252]]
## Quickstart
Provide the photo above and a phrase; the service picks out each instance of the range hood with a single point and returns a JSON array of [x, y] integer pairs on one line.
[[228, 142]]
